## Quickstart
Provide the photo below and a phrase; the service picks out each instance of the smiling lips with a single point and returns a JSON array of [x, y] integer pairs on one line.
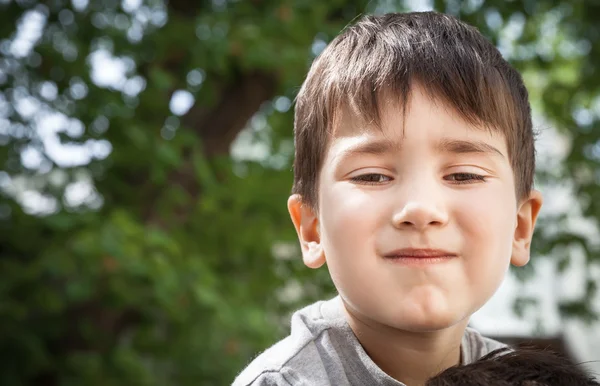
[[415, 256]]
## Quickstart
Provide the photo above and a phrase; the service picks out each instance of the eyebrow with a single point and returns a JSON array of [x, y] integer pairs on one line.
[[456, 146], [464, 147], [376, 147]]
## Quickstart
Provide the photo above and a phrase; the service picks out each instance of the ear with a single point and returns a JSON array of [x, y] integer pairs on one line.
[[306, 223], [526, 218]]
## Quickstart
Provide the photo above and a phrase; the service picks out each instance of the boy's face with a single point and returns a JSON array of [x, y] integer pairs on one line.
[[417, 224]]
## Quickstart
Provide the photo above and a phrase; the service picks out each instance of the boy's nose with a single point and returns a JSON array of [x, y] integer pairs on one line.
[[419, 215]]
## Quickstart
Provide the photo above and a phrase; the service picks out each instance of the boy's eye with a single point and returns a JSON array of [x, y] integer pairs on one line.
[[464, 178], [371, 178]]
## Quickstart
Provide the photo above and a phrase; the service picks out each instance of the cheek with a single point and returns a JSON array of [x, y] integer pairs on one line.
[[488, 213], [349, 218], [487, 224]]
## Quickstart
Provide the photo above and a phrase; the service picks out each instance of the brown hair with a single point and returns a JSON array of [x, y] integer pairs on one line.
[[385, 55], [521, 367]]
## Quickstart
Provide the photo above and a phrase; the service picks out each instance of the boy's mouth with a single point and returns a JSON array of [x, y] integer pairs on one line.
[[419, 256]]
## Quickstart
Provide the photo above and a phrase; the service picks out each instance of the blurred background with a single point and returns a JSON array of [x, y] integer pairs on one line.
[[145, 163]]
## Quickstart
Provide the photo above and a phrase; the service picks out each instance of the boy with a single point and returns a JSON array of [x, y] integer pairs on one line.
[[520, 367], [413, 182]]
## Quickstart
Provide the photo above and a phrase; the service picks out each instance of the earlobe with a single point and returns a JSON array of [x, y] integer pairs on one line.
[[313, 257], [306, 223], [526, 218]]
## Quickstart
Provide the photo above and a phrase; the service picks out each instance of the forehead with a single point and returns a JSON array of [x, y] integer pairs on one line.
[[422, 115]]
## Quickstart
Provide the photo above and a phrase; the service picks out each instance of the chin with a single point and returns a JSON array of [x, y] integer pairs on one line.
[[426, 321], [429, 326]]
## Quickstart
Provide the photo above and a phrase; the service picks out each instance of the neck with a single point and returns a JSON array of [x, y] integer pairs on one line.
[[409, 357]]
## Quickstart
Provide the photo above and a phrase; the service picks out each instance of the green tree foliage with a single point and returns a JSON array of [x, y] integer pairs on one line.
[[143, 242]]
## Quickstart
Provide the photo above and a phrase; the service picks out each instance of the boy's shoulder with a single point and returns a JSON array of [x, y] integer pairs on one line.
[[474, 346], [322, 346], [296, 360]]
